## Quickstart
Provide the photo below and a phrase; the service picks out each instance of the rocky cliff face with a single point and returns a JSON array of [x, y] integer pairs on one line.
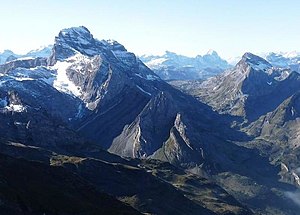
[[25, 63], [277, 135]]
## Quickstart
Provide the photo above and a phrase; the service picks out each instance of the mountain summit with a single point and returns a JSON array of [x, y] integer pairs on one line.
[[255, 61]]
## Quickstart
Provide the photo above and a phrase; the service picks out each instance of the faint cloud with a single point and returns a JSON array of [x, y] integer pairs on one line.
[[294, 196]]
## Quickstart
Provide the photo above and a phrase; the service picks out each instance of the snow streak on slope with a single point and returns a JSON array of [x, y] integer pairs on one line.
[[62, 82]]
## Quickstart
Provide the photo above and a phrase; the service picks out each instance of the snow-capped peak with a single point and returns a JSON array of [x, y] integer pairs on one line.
[[42, 51], [256, 62], [76, 35], [71, 41], [5, 55], [81, 30]]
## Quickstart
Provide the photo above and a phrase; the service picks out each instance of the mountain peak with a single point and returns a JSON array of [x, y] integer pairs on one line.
[[81, 30], [80, 35], [249, 55], [7, 51], [79, 39], [256, 62], [212, 52], [72, 40], [169, 53]]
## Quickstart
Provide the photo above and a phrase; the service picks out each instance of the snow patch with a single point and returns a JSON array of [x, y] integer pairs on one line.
[[15, 108], [151, 77], [144, 91], [296, 177], [284, 74], [148, 77], [259, 66], [24, 79], [139, 75], [18, 123], [293, 111], [156, 62], [22, 58], [283, 166], [62, 82]]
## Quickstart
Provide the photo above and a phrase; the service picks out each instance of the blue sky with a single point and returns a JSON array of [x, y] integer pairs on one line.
[[190, 27]]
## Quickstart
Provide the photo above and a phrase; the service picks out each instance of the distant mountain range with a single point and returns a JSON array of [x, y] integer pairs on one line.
[[172, 66], [8, 55], [285, 60], [91, 129]]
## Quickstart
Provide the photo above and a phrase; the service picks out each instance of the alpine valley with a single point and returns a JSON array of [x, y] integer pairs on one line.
[[87, 128]]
